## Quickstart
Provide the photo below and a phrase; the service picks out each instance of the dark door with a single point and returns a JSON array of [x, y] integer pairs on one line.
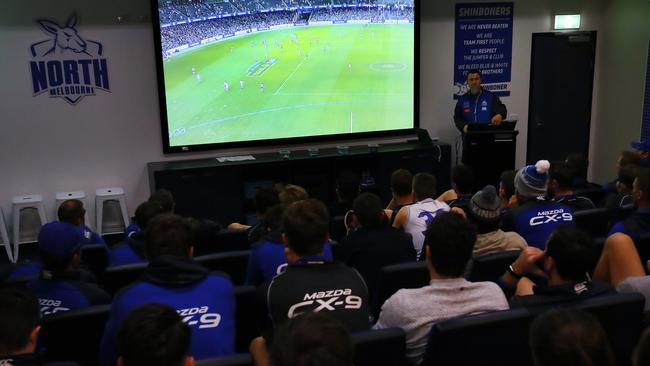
[[561, 81]]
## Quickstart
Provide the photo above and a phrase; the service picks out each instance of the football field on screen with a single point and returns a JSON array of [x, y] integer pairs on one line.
[[316, 80]]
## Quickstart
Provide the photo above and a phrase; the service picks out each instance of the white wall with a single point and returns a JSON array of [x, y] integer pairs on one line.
[[48, 146], [437, 60], [622, 55]]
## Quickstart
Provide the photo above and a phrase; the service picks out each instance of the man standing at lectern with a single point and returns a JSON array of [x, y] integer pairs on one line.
[[478, 105]]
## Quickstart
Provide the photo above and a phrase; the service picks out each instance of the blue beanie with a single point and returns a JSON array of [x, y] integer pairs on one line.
[[60, 239], [531, 180]]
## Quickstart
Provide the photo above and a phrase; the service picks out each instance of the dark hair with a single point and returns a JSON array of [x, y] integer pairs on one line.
[[424, 186], [641, 355], [312, 339], [347, 185], [168, 234], [463, 177], [573, 251], [266, 198], [19, 315], [401, 182], [306, 224], [272, 218], [508, 182], [70, 211], [643, 179], [627, 174], [154, 335], [629, 158], [474, 71], [145, 212], [54, 263], [563, 173], [569, 338], [579, 163], [368, 210], [451, 241], [165, 200], [292, 193]]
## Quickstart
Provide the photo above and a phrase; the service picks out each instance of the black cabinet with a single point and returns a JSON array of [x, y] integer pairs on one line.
[[208, 188]]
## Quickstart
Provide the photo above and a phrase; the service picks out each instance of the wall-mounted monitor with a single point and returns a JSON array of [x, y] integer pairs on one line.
[[255, 72]]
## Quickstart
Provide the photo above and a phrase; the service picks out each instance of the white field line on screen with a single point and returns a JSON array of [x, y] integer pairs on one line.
[[350, 94], [289, 77], [279, 109]]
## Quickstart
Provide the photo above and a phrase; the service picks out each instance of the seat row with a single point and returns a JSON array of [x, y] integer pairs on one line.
[[486, 339]]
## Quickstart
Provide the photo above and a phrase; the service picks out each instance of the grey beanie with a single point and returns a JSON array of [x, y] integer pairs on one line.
[[484, 204], [531, 180]]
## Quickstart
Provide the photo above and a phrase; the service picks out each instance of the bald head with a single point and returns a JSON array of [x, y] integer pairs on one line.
[[72, 212]]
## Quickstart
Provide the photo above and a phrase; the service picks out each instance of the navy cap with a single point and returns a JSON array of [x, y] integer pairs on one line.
[[60, 239], [641, 145]]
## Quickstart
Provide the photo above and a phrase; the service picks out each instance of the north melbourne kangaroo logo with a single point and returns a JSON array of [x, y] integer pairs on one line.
[[66, 65]]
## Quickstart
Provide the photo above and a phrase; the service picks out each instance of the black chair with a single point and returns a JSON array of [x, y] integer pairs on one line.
[[595, 221], [240, 359], [246, 312], [74, 335], [621, 316], [643, 247], [20, 281], [225, 241], [624, 212], [395, 277], [489, 267], [337, 228], [595, 193], [113, 239], [380, 347], [95, 258], [497, 338], [233, 263], [114, 278]]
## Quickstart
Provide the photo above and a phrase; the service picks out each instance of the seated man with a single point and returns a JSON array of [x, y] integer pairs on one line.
[[313, 339], [311, 282], [163, 199], [133, 249], [292, 193], [401, 183], [625, 159], [449, 243], [560, 188], [74, 213], [375, 244], [19, 328], [62, 286], [639, 222], [413, 219], [507, 197], [566, 263], [265, 198], [267, 258], [205, 301], [624, 185], [462, 183], [154, 335], [20, 318], [642, 149], [484, 213], [535, 218], [580, 165], [569, 337]]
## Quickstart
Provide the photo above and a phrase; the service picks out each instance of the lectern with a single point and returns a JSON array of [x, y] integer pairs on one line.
[[490, 150]]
